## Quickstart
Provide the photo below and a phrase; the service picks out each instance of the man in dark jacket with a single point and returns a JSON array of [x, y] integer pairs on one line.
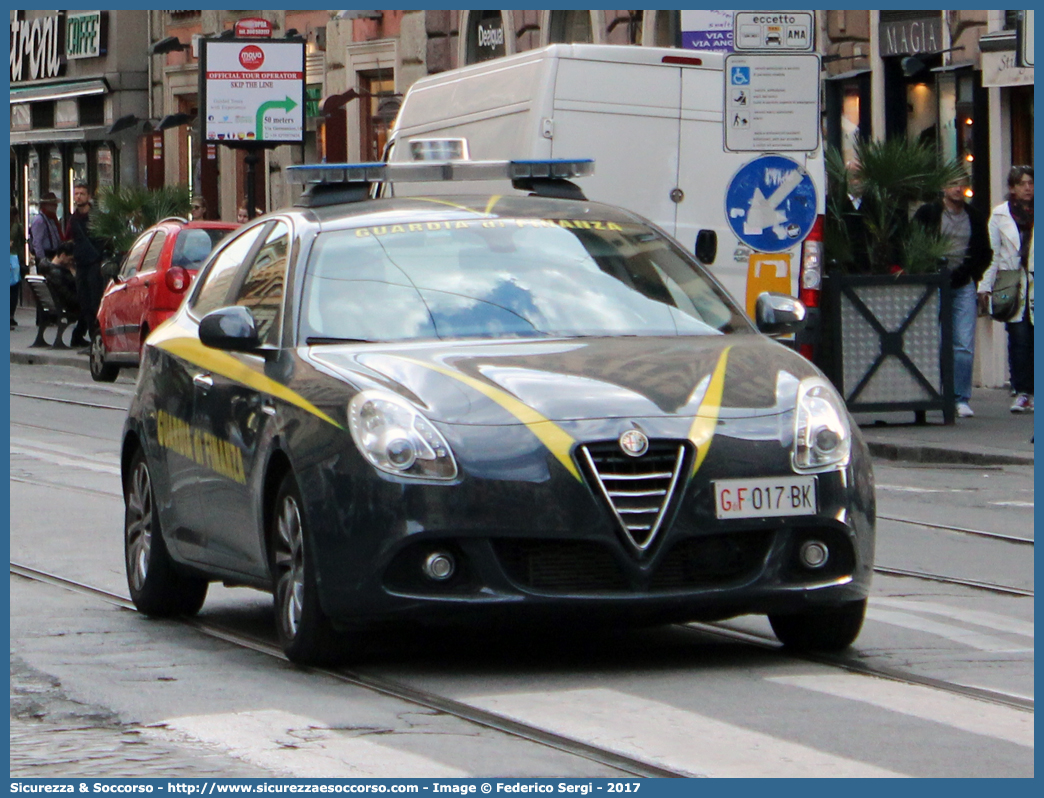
[[969, 257], [89, 253]]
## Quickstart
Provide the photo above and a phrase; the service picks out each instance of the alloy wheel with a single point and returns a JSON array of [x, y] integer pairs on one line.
[[139, 525], [290, 565]]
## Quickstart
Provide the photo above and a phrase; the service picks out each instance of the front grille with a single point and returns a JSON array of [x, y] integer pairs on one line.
[[712, 560], [559, 566], [637, 489]]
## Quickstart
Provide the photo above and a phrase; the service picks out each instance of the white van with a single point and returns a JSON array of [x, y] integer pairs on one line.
[[651, 118]]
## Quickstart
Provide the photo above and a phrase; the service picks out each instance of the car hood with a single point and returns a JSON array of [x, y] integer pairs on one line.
[[574, 379]]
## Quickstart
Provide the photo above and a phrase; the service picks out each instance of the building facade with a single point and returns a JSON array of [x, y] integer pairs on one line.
[[948, 77], [69, 82]]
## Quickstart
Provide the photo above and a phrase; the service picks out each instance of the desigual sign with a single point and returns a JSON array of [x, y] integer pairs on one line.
[[35, 48]]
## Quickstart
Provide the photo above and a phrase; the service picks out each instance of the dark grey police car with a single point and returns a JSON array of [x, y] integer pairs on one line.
[[476, 408]]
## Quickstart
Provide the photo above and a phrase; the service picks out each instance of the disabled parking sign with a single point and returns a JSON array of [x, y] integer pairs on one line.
[[770, 203]]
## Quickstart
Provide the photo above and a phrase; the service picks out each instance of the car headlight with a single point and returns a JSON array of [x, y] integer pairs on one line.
[[397, 439], [822, 435]]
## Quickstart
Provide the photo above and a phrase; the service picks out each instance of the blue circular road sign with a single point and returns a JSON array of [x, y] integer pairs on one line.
[[771, 203]]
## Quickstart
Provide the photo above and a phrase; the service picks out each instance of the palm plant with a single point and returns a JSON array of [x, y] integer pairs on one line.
[[121, 213], [890, 177]]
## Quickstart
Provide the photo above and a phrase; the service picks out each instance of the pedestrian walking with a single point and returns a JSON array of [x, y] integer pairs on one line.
[[45, 234], [969, 255], [89, 254], [1011, 237]]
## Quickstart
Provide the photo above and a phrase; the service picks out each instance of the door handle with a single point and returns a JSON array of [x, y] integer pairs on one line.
[[203, 381]]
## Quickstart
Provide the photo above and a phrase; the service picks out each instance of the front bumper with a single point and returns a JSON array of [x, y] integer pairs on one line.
[[528, 538]]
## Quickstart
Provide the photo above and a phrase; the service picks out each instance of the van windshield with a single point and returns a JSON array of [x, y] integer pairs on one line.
[[507, 278]]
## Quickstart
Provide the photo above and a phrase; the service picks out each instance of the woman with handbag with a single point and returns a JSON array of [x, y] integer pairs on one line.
[[1006, 289]]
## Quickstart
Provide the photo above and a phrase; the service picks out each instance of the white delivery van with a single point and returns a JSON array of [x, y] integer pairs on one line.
[[651, 118]]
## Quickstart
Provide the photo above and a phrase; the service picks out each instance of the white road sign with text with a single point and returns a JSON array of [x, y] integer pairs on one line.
[[254, 91]]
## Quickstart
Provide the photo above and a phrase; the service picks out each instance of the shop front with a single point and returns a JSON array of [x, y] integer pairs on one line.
[[67, 86]]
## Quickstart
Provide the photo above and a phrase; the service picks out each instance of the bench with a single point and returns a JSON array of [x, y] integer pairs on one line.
[[49, 312]]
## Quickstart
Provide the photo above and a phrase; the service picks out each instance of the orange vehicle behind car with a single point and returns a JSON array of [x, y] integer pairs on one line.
[[153, 279]]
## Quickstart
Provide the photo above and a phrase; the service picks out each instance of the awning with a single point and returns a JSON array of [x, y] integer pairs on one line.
[[58, 91], [852, 73], [952, 67], [53, 136]]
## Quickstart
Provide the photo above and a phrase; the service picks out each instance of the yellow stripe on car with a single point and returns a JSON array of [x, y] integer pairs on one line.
[[702, 430], [214, 360], [557, 440]]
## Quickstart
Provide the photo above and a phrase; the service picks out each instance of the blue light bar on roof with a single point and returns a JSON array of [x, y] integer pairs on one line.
[[438, 171]]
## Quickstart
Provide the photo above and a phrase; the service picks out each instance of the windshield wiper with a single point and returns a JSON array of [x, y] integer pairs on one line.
[[314, 340]]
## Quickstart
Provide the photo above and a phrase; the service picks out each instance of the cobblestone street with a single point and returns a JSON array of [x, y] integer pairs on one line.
[[55, 737]]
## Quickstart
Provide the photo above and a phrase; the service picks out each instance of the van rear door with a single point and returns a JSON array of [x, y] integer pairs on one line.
[[626, 117]]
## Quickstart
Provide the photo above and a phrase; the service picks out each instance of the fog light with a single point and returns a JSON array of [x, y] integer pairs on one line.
[[439, 566], [814, 554]]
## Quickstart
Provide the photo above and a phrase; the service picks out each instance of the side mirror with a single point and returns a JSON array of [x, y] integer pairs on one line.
[[233, 329], [706, 246], [779, 314]]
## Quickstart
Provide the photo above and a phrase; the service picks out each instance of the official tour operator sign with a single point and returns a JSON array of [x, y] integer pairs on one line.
[[254, 91]]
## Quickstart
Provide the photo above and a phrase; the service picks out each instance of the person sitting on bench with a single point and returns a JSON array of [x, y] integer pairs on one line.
[[60, 274]]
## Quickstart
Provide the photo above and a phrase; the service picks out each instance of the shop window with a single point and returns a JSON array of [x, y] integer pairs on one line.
[[623, 27], [79, 166], [55, 173], [922, 113], [851, 103], [106, 167], [92, 110], [378, 107], [1022, 125], [570, 26], [668, 29], [32, 176], [42, 114], [486, 36]]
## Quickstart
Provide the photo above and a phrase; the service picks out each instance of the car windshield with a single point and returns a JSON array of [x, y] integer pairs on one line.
[[507, 278], [194, 244]]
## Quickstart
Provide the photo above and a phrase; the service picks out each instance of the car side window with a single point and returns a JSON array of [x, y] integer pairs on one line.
[[217, 281], [133, 259], [152, 256], [262, 289]]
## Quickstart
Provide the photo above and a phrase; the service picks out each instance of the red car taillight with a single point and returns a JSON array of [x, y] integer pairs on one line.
[[177, 279], [810, 278]]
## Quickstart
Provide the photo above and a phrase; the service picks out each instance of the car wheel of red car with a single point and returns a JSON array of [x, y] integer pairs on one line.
[[100, 370]]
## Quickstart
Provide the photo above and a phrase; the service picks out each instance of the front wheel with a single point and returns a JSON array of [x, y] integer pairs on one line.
[[305, 633], [100, 370], [826, 629], [156, 587]]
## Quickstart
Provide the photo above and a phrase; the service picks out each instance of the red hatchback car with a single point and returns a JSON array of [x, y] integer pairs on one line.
[[154, 278]]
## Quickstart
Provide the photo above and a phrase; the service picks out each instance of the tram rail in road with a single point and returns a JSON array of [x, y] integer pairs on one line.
[[507, 725]]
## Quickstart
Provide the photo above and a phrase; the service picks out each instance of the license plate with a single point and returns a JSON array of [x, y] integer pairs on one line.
[[770, 497]]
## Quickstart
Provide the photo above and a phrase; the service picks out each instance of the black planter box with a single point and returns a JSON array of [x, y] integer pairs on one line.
[[887, 342]]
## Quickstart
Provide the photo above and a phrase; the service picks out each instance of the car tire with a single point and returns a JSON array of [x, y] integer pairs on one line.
[[100, 370], [156, 586], [827, 629], [305, 632]]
